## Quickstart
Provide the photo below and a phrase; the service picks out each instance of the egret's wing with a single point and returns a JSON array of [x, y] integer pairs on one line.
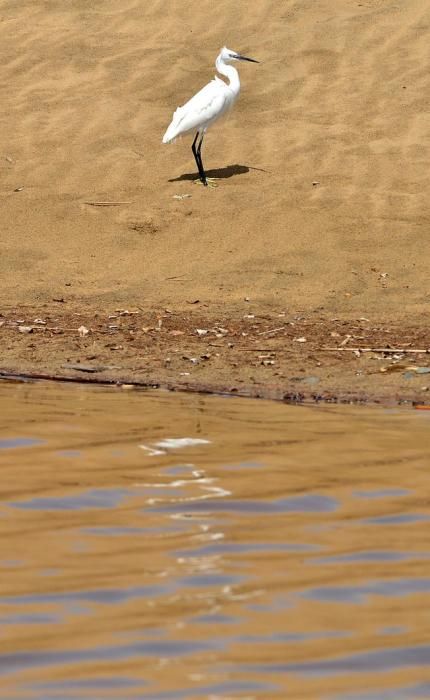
[[206, 105]]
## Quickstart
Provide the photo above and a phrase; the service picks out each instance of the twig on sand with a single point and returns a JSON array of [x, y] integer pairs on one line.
[[59, 329], [360, 349], [106, 204], [344, 348], [268, 349], [272, 330]]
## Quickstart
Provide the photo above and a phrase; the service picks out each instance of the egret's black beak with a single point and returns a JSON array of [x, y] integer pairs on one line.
[[244, 58]]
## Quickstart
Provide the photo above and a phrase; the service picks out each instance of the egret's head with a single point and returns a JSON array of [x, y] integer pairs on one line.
[[228, 56]]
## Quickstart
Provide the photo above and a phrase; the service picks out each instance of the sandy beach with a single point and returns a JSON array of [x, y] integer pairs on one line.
[[322, 208]]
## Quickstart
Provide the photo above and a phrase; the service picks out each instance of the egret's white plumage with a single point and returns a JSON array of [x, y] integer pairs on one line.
[[198, 113], [207, 105]]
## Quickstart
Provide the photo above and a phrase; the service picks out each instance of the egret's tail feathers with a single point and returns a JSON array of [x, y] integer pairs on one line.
[[174, 128], [169, 135]]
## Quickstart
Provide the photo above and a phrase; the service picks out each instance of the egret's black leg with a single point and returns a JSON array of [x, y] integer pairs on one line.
[[194, 150], [197, 157], [202, 172]]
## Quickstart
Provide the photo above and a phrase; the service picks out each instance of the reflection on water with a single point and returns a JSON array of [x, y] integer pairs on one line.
[[12, 443], [163, 547]]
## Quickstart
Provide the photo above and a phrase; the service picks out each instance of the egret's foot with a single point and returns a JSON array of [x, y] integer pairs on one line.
[[210, 182]]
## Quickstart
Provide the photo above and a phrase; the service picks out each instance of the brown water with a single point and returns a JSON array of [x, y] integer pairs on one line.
[[282, 554]]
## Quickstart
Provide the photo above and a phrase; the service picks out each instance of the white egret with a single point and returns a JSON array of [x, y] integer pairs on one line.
[[208, 105]]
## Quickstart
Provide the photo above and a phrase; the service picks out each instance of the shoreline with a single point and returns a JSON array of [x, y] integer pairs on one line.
[[296, 358], [260, 392]]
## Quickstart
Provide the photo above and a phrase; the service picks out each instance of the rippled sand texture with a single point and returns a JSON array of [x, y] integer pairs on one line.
[[340, 100], [283, 553]]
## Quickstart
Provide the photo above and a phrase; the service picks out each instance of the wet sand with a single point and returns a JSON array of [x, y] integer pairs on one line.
[[322, 207], [294, 359]]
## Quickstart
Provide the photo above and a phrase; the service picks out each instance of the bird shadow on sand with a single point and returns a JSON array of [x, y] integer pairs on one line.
[[218, 173]]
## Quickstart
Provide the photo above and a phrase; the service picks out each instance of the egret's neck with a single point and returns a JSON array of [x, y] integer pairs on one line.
[[230, 73]]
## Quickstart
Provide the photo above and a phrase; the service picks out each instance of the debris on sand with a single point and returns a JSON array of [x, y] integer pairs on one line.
[[83, 331]]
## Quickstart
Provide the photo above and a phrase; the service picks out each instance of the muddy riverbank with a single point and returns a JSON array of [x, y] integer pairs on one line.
[[292, 357]]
